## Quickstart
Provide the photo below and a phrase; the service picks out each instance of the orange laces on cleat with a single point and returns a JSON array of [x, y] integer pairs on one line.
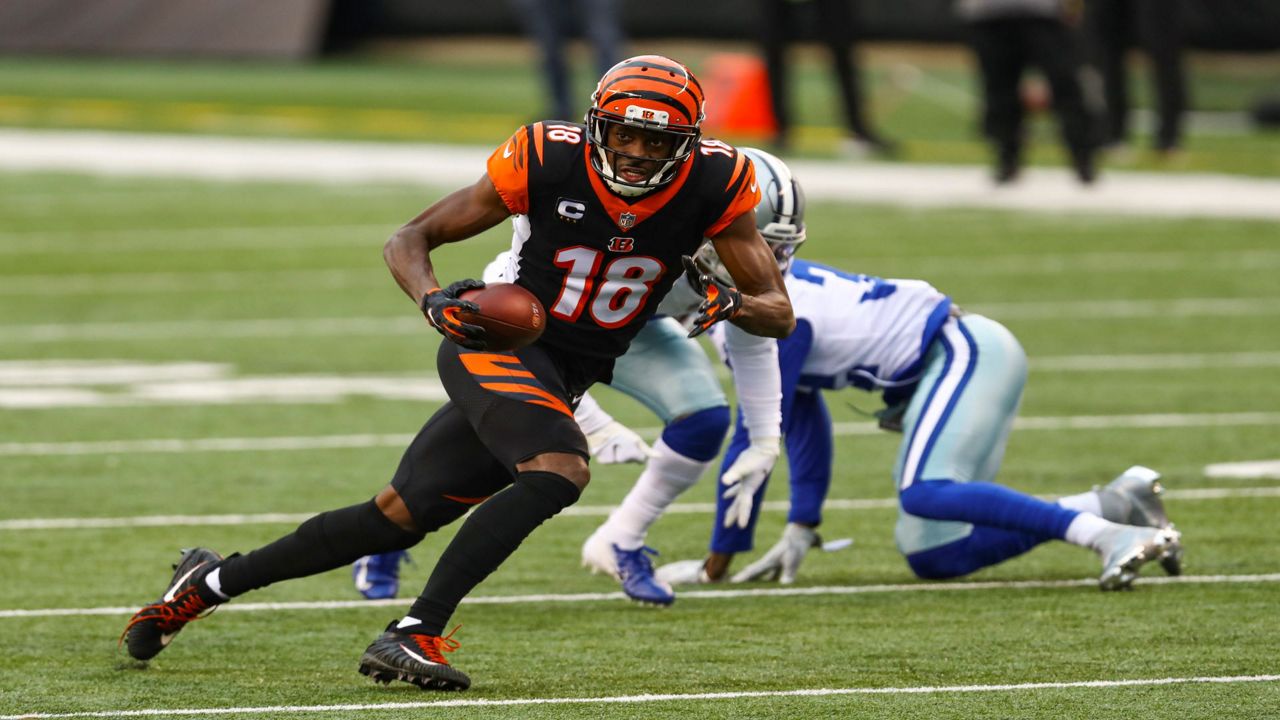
[[171, 616], [434, 645]]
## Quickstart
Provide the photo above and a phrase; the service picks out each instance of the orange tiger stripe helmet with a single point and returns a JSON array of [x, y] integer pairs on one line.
[[654, 93]]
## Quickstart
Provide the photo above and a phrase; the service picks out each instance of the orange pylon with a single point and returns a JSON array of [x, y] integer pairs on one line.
[[738, 104]]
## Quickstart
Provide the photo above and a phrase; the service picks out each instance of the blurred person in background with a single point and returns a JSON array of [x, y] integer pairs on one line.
[[1112, 27], [835, 26], [552, 22], [1008, 36]]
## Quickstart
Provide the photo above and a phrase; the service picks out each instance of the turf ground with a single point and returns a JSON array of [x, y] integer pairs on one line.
[[162, 343]]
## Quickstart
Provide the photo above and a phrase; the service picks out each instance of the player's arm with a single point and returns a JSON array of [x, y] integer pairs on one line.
[[766, 308], [460, 215]]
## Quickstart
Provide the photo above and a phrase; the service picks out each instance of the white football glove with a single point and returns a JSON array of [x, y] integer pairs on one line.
[[745, 477], [616, 443], [782, 562]]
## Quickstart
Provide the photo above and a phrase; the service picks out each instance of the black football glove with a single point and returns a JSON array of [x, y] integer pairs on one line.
[[441, 306], [721, 301]]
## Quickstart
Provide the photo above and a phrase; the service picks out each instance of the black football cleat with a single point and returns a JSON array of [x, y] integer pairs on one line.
[[413, 658], [153, 627]]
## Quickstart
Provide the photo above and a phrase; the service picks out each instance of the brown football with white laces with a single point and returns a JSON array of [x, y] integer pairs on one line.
[[510, 315]]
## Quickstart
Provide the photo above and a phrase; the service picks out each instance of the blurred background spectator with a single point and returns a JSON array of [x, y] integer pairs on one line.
[[551, 23], [836, 30], [1008, 36], [1155, 26]]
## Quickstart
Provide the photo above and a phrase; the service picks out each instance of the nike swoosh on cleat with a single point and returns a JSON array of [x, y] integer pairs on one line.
[[166, 638], [506, 152], [170, 594], [416, 656]]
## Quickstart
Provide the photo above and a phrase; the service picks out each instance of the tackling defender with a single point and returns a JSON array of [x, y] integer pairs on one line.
[[952, 383], [603, 215]]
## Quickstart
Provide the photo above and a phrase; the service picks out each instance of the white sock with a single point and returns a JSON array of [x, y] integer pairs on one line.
[[214, 582], [665, 476], [1088, 502], [1087, 530], [406, 621]]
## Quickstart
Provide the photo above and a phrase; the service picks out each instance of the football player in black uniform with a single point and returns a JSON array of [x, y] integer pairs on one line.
[[606, 214]]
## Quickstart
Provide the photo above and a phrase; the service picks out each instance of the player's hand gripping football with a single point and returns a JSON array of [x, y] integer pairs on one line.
[[442, 305], [743, 479], [721, 301]]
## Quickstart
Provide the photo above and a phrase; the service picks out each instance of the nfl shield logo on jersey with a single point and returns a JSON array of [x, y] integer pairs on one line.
[[626, 220]]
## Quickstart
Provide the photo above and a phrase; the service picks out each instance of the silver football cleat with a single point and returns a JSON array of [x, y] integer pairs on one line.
[[598, 555], [684, 572], [1129, 548], [1134, 499]]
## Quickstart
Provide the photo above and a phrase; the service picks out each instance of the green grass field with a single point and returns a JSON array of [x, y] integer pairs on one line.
[[162, 272], [165, 346]]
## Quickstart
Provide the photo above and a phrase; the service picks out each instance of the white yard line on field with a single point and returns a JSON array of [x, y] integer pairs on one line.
[[77, 241], [1154, 361], [774, 592], [318, 442], [1250, 470], [388, 325], [321, 442], [83, 523], [221, 329], [275, 710], [65, 384], [272, 710], [184, 282], [912, 185]]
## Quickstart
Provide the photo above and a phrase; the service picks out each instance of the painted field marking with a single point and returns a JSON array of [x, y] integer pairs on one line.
[[268, 238], [1253, 470], [321, 442], [231, 519], [183, 282], [273, 239], [221, 329], [47, 384], [1153, 361], [387, 325], [819, 590], [654, 698], [916, 185]]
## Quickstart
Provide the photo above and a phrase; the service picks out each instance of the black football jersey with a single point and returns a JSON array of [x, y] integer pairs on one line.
[[598, 262]]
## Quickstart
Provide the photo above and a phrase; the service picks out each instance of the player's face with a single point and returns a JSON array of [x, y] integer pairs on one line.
[[631, 145]]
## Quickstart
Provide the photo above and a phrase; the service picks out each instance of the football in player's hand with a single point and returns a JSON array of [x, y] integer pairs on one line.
[[510, 315]]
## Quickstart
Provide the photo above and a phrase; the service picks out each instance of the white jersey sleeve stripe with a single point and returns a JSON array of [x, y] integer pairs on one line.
[[941, 399]]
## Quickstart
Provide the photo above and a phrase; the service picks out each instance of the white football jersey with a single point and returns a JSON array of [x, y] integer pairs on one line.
[[867, 331]]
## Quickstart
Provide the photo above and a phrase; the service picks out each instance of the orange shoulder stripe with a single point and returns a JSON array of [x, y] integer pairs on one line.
[[508, 170]]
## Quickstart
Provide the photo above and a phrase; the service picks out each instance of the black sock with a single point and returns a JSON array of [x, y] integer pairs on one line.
[[488, 537], [326, 541]]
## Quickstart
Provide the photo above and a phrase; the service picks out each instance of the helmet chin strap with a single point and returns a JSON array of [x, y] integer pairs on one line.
[[624, 190]]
